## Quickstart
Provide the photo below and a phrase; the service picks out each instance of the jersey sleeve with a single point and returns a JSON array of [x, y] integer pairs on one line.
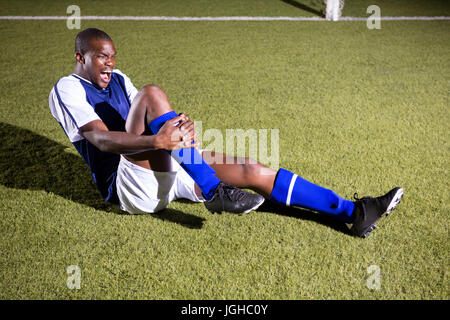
[[131, 89], [70, 108]]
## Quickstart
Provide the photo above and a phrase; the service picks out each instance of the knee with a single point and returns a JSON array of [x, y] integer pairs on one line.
[[152, 91], [154, 100]]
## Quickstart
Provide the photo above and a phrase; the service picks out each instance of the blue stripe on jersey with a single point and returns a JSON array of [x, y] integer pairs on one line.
[[122, 84], [63, 129], [112, 106], [63, 105]]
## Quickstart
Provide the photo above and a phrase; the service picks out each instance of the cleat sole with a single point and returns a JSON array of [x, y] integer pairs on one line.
[[367, 233], [255, 207], [247, 211], [395, 201]]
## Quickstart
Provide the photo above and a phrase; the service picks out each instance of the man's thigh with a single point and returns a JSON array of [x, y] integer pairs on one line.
[[157, 160]]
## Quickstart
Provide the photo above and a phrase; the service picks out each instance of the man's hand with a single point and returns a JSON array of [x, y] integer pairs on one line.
[[177, 133]]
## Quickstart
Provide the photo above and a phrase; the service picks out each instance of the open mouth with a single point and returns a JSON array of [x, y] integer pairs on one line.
[[106, 75]]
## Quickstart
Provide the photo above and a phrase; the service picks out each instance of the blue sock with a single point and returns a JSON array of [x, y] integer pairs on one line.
[[190, 160], [292, 190]]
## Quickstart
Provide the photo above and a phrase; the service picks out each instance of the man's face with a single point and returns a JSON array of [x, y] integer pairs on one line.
[[98, 63]]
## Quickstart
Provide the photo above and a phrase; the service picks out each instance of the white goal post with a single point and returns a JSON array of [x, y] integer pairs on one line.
[[333, 10]]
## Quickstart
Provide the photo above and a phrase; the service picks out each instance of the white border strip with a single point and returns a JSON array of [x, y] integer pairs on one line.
[[237, 18], [291, 187]]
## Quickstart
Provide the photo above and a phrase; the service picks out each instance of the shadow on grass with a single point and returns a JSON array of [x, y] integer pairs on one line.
[[304, 214], [304, 7], [30, 161]]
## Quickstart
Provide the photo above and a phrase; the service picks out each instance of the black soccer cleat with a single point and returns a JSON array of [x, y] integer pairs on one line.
[[368, 210], [233, 200]]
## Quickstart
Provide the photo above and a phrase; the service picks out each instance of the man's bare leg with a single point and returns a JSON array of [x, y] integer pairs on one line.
[[149, 103], [152, 102], [282, 186], [241, 172], [151, 109]]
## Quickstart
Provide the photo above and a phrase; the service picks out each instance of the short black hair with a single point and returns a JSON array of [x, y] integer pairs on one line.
[[83, 38]]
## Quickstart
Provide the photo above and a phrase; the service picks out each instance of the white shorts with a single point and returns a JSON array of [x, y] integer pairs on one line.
[[141, 190]]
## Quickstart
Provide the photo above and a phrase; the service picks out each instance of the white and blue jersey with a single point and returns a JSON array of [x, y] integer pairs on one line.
[[74, 102]]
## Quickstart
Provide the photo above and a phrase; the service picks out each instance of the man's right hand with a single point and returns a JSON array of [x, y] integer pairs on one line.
[[177, 133]]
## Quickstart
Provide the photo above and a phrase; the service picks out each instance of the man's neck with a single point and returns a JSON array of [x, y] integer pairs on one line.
[[80, 72]]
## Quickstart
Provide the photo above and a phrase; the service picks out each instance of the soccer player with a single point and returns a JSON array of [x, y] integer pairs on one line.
[[143, 155]]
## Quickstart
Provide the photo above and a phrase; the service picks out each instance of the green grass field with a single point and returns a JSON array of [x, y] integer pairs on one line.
[[357, 110]]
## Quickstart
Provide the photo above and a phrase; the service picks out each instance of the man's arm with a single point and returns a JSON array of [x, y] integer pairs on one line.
[[175, 134]]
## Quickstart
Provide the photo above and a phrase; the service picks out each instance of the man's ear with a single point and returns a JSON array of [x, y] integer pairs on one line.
[[79, 57]]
